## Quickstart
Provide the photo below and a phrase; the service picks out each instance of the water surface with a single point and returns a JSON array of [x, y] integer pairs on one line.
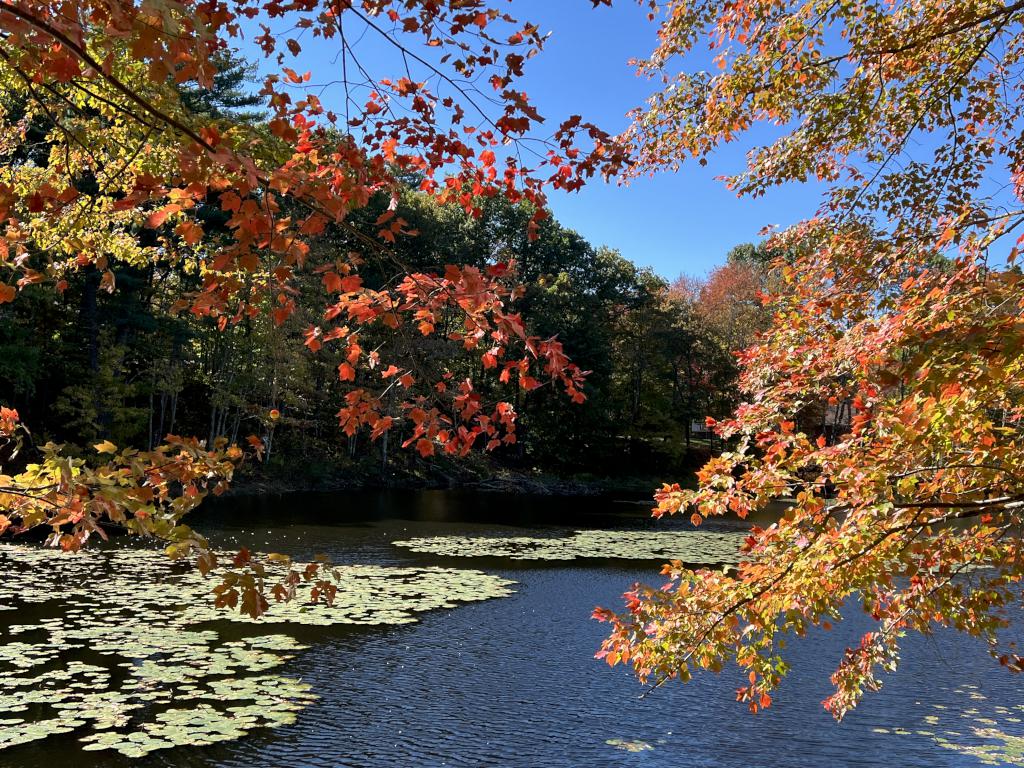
[[513, 682]]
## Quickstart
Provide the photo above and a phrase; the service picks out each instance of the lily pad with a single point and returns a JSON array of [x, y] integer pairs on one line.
[[629, 746], [695, 547]]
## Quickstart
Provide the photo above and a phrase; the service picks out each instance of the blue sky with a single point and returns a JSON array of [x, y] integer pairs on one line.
[[675, 223]]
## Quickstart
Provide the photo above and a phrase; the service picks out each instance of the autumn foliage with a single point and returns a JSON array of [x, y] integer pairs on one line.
[[116, 169], [900, 300], [148, 492]]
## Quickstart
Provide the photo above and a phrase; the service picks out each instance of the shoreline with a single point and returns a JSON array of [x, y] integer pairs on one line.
[[502, 481]]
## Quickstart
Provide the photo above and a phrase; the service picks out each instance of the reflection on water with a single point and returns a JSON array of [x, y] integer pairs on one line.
[[512, 681]]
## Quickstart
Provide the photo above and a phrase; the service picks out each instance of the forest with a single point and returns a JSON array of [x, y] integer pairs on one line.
[[115, 358]]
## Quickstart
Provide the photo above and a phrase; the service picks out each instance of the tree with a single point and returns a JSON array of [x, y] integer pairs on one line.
[[228, 94], [730, 302], [702, 362], [125, 160], [900, 296]]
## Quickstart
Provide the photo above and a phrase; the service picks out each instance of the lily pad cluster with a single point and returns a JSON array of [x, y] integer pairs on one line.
[[993, 736], [118, 645], [695, 547], [372, 594], [629, 746]]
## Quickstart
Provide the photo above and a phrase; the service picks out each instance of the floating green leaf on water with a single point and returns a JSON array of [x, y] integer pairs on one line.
[[984, 738], [629, 746], [703, 547], [998, 748]]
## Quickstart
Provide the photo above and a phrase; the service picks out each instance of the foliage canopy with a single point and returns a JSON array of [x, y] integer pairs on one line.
[[900, 306], [884, 398], [128, 145]]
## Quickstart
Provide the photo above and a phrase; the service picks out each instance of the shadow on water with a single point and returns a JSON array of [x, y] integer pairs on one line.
[[432, 506], [513, 682]]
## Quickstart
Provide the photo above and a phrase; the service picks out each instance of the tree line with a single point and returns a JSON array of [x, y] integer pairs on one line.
[[113, 355], [125, 365]]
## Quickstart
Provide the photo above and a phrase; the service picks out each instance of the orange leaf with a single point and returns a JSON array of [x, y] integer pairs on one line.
[[332, 282], [157, 218]]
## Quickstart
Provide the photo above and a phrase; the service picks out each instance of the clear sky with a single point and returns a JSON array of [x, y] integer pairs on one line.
[[675, 223]]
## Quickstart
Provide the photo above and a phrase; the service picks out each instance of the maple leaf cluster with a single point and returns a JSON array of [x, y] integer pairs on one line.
[[145, 492], [883, 405], [128, 175]]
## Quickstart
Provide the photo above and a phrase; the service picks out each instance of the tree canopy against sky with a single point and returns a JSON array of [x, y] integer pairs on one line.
[[115, 164], [712, 218], [901, 300]]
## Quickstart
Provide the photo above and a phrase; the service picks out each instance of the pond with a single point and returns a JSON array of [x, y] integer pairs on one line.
[[501, 674]]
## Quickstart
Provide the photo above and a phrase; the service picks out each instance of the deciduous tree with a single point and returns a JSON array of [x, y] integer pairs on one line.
[[121, 162], [900, 295]]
